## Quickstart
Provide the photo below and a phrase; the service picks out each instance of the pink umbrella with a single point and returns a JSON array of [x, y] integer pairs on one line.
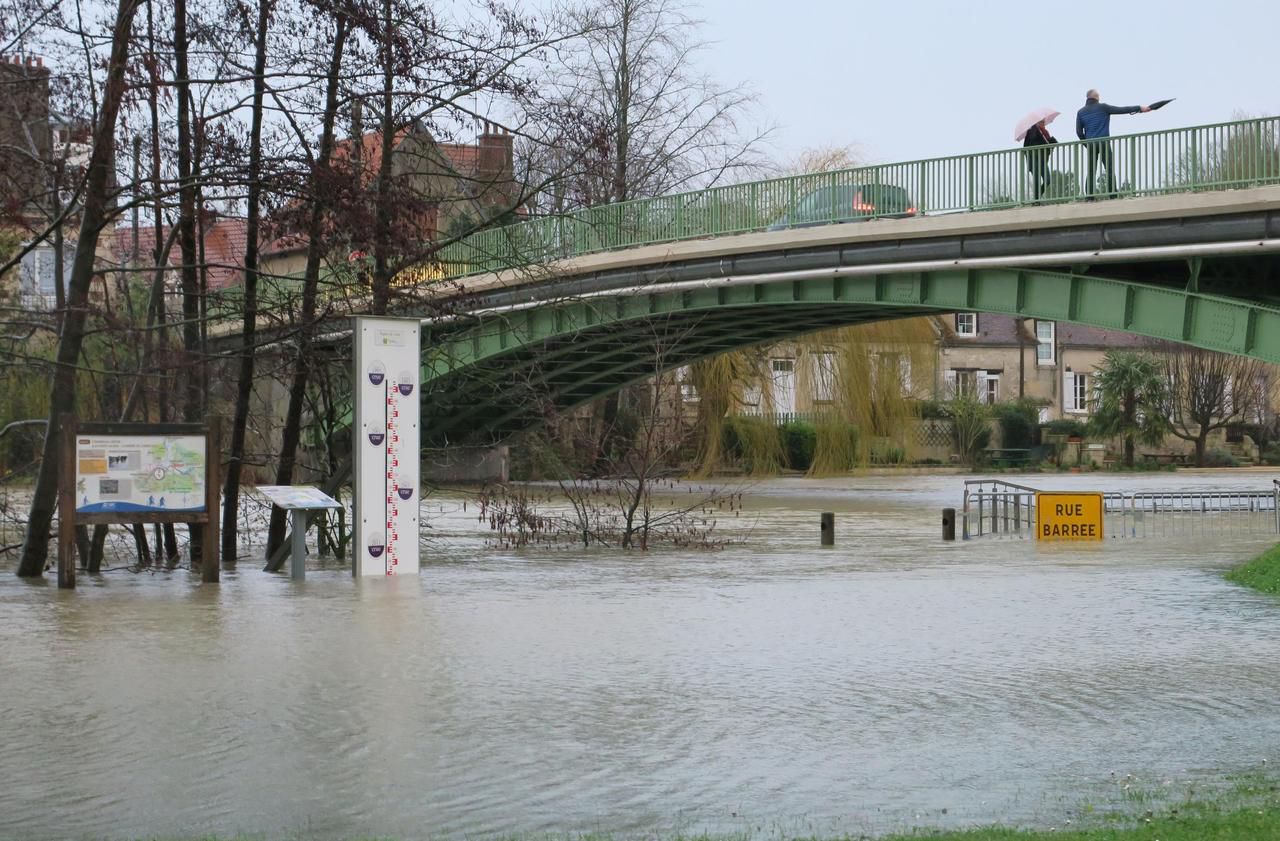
[[1025, 124]]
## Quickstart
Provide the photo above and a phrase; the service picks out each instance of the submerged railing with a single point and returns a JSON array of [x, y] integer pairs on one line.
[[994, 508], [1212, 157], [1176, 513]]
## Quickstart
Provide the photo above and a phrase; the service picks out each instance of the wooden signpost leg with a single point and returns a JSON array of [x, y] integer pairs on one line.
[[210, 566], [67, 504]]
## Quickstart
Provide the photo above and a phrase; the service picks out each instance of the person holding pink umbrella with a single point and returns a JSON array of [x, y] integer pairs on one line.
[[1033, 131]]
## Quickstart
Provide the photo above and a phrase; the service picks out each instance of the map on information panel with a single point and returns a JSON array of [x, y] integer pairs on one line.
[[131, 473]]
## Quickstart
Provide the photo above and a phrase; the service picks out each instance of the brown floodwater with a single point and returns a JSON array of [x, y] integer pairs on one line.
[[772, 686]]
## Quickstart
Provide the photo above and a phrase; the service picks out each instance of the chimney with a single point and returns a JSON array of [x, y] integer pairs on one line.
[[495, 168]]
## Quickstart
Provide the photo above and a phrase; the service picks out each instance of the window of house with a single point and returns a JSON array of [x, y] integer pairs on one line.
[[894, 370], [1044, 342], [688, 391], [992, 394], [1082, 392], [824, 377], [784, 384], [1077, 394], [38, 273], [966, 324], [962, 383]]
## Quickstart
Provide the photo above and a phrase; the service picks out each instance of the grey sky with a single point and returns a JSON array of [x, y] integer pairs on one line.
[[923, 78]]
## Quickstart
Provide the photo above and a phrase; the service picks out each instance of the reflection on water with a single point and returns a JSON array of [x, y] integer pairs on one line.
[[773, 684]]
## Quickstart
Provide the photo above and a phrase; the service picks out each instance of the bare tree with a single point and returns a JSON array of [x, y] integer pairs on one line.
[[321, 188], [94, 217], [1210, 390], [645, 122], [640, 121], [249, 324]]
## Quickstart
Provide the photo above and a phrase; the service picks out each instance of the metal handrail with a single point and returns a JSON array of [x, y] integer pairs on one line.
[[995, 507], [1000, 483], [1219, 156], [1006, 507]]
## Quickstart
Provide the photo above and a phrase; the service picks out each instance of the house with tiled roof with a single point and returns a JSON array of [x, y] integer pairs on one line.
[[992, 357], [995, 358], [35, 143], [443, 189], [220, 240], [1003, 357]]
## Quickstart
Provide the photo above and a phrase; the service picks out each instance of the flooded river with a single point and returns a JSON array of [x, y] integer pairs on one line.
[[773, 686]]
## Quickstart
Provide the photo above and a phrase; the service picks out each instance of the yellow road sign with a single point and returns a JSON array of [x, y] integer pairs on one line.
[[1069, 516]]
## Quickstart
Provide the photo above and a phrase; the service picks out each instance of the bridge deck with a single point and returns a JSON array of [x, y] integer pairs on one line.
[[1169, 208]]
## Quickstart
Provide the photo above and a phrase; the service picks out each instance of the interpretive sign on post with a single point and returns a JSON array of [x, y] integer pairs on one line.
[[298, 500], [294, 497], [1069, 516], [131, 473], [385, 446], [138, 473]]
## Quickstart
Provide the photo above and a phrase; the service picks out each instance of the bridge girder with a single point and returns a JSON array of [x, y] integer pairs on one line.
[[505, 371]]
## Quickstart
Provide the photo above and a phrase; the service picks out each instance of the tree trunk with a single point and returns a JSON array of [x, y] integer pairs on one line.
[[244, 391], [62, 395], [1128, 451], [82, 545], [1202, 439], [382, 213], [96, 547], [140, 545], [292, 433], [157, 341], [193, 393]]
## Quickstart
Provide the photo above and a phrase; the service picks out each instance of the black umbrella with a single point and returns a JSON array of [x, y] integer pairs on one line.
[[1162, 103]]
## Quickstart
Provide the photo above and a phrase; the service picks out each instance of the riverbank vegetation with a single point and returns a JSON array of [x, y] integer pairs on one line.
[[1262, 574], [1244, 824], [1240, 825]]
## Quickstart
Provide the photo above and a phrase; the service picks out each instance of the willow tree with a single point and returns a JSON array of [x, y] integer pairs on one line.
[[868, 376], [874, 372], [720, 382]]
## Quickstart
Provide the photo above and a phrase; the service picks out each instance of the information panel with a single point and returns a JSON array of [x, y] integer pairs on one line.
[[139, 473], [386, 447], [298, 497], [1069, 516]]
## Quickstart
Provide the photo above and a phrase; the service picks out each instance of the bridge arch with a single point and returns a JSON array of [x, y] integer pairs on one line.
[[508, 366]]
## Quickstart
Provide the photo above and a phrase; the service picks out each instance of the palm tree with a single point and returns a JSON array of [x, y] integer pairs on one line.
[[1131, 394]]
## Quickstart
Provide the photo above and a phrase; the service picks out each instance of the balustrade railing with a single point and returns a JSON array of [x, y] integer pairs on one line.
[[1221, 156]]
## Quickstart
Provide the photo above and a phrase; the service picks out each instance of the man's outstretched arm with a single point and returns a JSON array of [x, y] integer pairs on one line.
[[1125, 109]]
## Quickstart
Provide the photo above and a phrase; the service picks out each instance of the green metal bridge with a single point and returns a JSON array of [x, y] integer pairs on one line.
[[552, 313], [555, 312]]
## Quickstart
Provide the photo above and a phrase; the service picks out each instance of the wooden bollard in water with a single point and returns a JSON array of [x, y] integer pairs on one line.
[[828, 528], [948, 524]]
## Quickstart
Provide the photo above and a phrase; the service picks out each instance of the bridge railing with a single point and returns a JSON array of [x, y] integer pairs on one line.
[[1221, 156]]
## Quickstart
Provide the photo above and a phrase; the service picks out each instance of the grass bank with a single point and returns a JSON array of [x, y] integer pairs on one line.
[[1251, 824], [1192, 823], [1262, 573], [1243, 806]]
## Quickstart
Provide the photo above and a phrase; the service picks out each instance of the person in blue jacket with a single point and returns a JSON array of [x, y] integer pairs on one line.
[[1093, 122]]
